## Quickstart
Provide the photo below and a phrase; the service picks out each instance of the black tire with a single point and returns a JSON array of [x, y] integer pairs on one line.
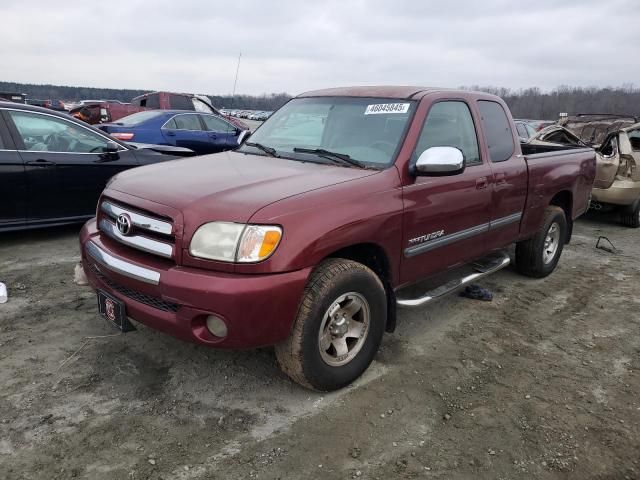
[[300, 355], [530, 253], [630, 216]]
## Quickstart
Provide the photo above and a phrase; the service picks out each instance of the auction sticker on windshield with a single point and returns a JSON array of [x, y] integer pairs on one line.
[[387, 108]]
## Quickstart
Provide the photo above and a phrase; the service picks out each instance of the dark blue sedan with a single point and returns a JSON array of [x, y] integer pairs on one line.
[[201, 132]]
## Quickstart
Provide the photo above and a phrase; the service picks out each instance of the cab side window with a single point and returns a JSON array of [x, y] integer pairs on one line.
[[497, 130], [450, 124]]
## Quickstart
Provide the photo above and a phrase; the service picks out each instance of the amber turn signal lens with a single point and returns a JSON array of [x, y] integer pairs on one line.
[[258, 242], [269, 243]]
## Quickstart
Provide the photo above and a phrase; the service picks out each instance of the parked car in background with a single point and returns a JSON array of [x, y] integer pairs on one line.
[[96, 112], [308, 239], [525, 131], [38, 103], [51, 104], [555, 135], [616, 139], [182, 101], [13, 97], [536, 125], [201, 132], [53, 167]]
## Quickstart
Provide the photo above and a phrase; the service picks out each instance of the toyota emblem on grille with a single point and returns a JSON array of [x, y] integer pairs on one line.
[[124, 224]]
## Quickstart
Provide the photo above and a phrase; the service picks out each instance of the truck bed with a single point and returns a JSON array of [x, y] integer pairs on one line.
[[556, 170]]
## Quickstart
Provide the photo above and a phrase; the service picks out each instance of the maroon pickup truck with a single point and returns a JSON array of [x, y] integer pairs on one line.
[[345, 204]]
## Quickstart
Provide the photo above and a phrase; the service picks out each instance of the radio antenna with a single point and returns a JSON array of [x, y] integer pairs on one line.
[[233, 94]]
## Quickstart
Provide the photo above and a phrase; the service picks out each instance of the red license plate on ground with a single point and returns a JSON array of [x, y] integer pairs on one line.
[[113, 310]]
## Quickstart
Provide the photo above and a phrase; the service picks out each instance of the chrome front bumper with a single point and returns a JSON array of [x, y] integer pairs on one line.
[[121, 266]]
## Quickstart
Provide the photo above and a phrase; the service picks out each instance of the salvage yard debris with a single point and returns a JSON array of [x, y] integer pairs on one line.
[[607, 248]]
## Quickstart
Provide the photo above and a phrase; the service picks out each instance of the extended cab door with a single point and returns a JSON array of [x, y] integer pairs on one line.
[[446, 217], [13, 183], [509, 183]]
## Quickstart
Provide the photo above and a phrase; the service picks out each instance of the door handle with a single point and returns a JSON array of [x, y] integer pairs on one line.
[[213, 135], [171, 134], [41, 163], [481, 183], [500, 179]]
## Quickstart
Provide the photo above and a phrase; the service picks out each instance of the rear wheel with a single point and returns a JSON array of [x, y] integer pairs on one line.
[[630, 216], [538, 256], [339, 326]]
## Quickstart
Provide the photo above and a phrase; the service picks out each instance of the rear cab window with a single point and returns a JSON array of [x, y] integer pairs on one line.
[[497, 130]]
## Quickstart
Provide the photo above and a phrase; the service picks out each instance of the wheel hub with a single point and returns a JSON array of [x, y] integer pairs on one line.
[[551, 243], [344, 329], [339, 326]]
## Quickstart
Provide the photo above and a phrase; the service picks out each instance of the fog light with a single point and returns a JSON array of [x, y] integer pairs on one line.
[[217, 326]]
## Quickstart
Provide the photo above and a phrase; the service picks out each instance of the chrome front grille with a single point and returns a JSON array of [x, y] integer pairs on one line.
[[137, 230]]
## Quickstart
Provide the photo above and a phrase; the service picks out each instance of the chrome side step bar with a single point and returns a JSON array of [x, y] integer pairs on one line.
[[482, 268]]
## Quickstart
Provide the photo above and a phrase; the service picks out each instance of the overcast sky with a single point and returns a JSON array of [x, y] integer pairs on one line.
[[292, 46]]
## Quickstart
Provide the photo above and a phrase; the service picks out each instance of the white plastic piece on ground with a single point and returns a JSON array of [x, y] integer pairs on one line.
[[3, 293], [79, 277]]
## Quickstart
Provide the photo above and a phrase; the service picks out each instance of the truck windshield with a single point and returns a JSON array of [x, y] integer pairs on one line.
[[368, 130]]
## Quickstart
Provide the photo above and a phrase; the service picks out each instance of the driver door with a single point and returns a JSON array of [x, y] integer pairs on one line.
[[446, 218], [65, 164]]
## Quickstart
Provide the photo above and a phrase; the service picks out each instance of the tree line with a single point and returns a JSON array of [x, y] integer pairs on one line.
[[531, 103], [46, 92], [536, 104]]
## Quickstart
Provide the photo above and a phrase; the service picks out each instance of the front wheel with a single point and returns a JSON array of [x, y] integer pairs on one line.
[[538, 256], [339, 326]]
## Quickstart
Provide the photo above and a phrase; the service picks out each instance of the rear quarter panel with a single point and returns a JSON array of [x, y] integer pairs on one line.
[[553, 173]]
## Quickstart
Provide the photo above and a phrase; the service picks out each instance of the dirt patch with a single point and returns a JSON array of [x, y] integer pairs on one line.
[[540, 383]]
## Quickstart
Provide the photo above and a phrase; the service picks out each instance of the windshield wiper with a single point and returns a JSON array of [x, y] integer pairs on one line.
[[342, 157], [270, 150]]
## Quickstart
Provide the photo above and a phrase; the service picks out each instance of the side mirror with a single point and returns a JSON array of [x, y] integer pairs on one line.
[[243, 136], [439, 161], [112, 147]]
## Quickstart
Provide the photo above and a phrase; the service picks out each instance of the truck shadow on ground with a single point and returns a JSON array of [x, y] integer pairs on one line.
[[27, 237]]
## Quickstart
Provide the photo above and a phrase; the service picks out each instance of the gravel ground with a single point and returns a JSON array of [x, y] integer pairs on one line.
[[542, 382]]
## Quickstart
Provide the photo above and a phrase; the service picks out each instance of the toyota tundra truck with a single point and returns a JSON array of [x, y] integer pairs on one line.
[[345, 205]]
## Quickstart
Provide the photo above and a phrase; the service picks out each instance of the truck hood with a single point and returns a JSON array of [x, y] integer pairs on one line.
[[228, 186]]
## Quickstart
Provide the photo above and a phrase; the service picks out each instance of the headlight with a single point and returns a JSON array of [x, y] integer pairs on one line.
[[235, 242]]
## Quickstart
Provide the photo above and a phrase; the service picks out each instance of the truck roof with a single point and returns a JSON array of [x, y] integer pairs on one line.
[[386, 91]]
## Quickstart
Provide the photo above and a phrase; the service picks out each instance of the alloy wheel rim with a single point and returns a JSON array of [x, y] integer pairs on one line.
[[551, 243], [344, 329]]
